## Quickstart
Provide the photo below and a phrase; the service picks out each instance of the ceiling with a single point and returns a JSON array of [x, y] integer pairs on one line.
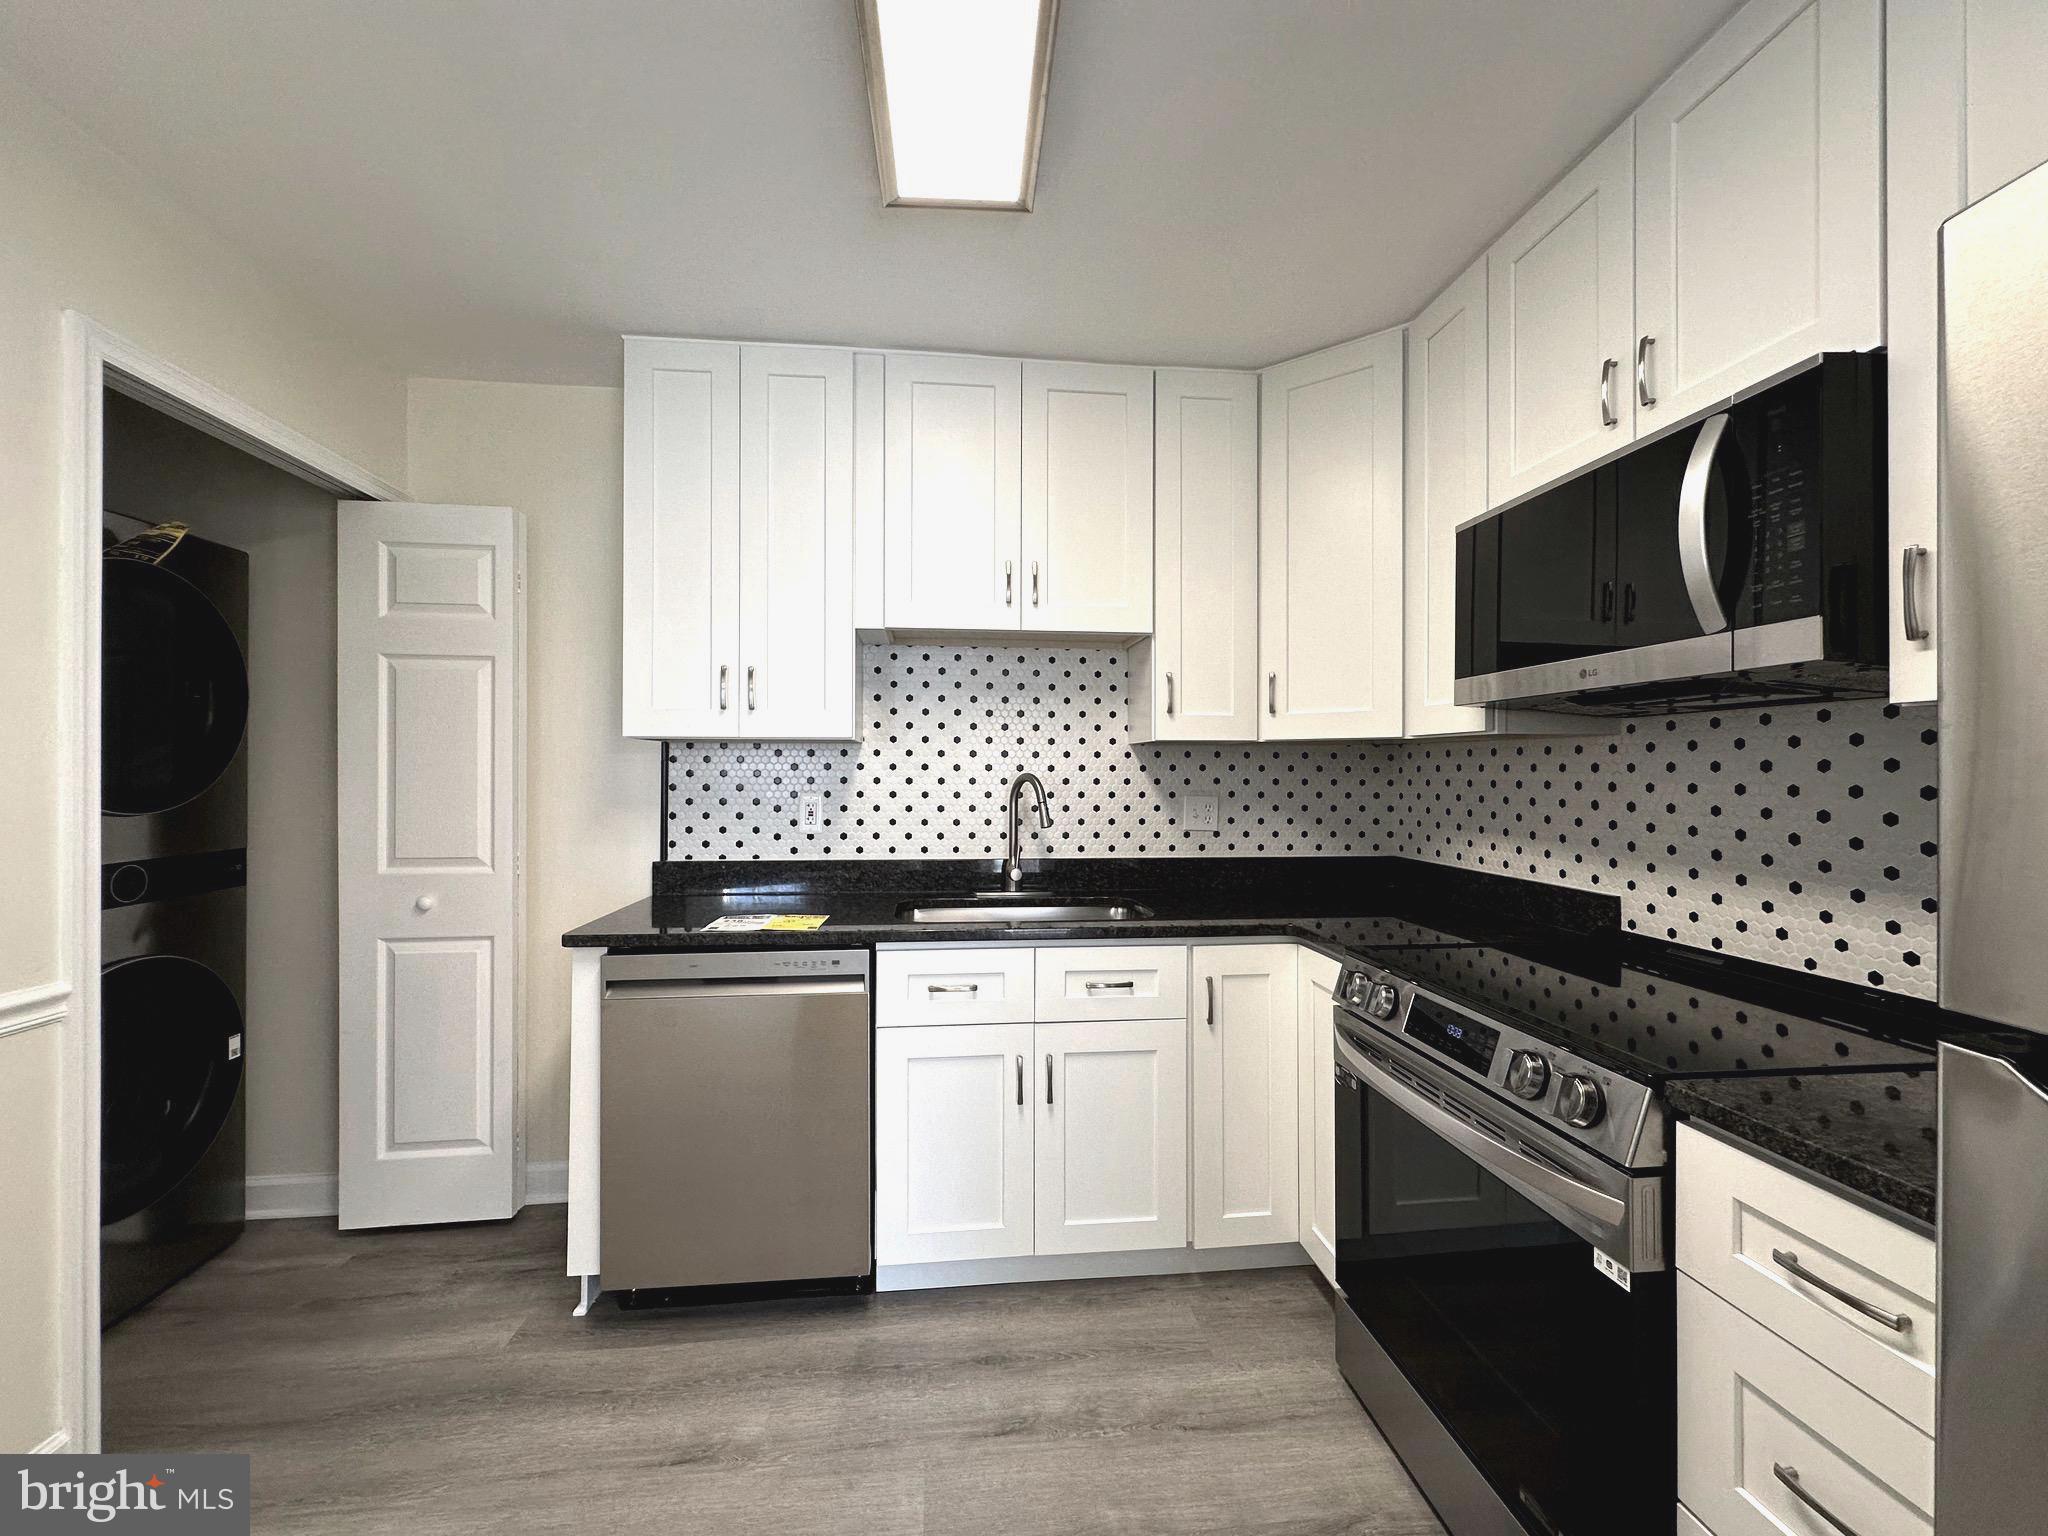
[[498, 188]]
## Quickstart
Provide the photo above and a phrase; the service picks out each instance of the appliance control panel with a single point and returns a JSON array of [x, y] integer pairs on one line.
[[1608, 1111]]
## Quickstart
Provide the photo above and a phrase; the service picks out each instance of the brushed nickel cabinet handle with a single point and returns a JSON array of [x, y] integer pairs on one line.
[[1209, 985], [954, 986], [1034, 583], [722, 672], [1009, 582], [1020, 1080], [1110, 986], [1272, 693], [750, 688], [1048, 1077], [1169, 693], [1910, 559], [1608, 418], [1643, 395], [1789, 1476], [1898, 1322]]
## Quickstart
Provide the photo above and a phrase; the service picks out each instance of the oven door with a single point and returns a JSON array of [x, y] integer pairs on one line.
[[1525, 1389]]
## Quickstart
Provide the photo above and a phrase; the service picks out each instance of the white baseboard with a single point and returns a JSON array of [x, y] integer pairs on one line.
[[273, 1196], [280, 1196], [50, 1447], [1087, 1266]]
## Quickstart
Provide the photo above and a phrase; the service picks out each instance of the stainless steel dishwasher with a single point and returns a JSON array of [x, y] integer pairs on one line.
[[734, 1120]]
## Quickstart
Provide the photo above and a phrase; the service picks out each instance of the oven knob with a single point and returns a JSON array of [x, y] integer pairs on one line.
[[1579, 1101], [1528, 1075], [1355, 993], [1383, 1002]]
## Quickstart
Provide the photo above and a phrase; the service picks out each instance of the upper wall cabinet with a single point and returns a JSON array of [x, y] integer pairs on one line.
[[954, 526], [1197, 678], [1019, 496], [1087, 558], [1446, 462], [1330, 552], [1561, 315], [1759, 205], [738, 597]]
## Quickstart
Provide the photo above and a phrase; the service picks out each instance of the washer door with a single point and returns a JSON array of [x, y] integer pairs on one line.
[[167, 1078], [174, 692]]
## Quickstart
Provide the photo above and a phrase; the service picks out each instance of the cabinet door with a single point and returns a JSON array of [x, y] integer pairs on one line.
[[1330, 555], [1244, 1178], [682, 538], [1759, 205], [796, 544], [953, 1125], [951, 466], [1446, 463], [1087, 505], [1112, 1140], [1200, 672], [1317, 1131], [1560, 317]]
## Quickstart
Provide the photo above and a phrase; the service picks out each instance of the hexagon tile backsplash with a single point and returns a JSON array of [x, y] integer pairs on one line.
[[1798, 836]]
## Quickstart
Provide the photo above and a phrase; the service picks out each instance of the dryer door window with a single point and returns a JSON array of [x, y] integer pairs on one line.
[[174, 690], [170, 1063]]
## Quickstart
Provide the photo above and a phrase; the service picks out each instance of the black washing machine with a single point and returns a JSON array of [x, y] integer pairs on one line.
[[173, 921]]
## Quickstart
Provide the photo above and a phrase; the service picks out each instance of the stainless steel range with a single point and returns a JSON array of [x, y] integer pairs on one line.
[[1503, 1223]]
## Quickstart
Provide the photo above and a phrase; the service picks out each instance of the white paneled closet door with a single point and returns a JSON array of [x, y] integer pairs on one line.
[[953, 532], [1330, 543], [1087, 490], [796, 651], [681, 624], [429, 679]]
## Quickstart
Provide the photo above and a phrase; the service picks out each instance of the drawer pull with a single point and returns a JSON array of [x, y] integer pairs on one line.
[[1898, 1322], [1789, 1476], [1110, 986], [954, 986], [1020, 1081]]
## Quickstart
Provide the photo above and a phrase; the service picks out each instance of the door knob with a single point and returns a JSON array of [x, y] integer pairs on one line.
[[424, 904]]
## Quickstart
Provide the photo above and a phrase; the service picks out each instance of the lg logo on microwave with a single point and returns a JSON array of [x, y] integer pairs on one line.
[[1587, 674]]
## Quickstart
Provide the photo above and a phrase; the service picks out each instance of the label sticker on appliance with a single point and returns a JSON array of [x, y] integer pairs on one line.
[[1612, 1268], [234, 1047]]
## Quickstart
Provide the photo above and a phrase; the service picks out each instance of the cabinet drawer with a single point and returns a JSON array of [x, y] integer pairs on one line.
[[945, 985], [1744, 1224], [1113, 981], [1754, 1412]]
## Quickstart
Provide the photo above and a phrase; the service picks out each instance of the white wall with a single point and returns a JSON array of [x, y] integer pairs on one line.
[[552, 452], [83, 231], [157, 468]]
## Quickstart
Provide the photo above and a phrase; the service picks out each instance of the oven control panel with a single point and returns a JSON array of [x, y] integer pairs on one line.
[[1614, 1114]]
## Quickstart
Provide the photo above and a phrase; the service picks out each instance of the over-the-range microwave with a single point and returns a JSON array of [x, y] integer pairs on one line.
[[1738, 560]]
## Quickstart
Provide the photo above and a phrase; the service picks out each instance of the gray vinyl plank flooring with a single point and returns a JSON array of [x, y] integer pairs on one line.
[[433, 1381]]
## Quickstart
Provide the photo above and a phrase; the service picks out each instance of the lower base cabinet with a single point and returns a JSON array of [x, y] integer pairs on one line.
[[996, 1141], [1244, 1095], [1316, 1055]]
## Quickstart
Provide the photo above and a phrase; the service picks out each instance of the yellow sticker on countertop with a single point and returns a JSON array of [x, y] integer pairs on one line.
[[795, 922]]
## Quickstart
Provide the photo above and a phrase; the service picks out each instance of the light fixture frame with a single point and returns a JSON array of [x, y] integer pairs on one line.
[[878, 111]]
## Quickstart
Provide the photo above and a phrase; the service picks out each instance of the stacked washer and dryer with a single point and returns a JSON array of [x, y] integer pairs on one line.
[[174, 789]]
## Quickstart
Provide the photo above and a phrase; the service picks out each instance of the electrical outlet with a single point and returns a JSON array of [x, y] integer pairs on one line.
[[1200, 813], [810, 811]]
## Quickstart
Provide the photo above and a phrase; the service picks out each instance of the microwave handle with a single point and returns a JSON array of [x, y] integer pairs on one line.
[[1510, 1166], [1692, 526]]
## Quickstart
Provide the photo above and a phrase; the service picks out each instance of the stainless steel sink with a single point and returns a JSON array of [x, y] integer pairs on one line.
[[1006, 908]]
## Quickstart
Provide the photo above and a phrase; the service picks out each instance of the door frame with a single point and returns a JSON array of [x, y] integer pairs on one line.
[[96, 359]]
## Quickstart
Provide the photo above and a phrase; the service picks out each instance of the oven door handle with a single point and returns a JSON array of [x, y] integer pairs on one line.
[[1512, 1166]]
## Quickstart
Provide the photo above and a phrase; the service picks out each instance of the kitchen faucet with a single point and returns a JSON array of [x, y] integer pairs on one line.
[[1013, 871]]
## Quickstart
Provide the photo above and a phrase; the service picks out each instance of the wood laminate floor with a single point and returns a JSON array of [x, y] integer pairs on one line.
[[433, 1380]]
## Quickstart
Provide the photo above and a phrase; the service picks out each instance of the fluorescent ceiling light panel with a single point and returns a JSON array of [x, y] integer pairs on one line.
[[957, 88]]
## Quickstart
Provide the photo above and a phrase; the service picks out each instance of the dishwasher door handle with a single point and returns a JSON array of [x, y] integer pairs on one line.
[[658, 989]]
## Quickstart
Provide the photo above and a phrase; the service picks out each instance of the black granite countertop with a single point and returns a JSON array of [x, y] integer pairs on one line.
[[1870, 1132]]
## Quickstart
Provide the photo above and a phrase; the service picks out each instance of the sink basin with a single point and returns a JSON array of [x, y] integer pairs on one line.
[[1010, 907]]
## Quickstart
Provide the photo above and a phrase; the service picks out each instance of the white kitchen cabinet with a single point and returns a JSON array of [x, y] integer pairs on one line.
[[1964, 114], [870, 502], [1560, 321], [1243, 1022], [1330, 543], [1759, 205], [738, 571], [1111, 1101], [1197, 677], [1316, 1058], [953, 527], [1446, 465], [1086, 564], [954, 1120]]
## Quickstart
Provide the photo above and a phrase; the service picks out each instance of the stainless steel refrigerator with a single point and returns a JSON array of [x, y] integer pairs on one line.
[[1991, 1476]]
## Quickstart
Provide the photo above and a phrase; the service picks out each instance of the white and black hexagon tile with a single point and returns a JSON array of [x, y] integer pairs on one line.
[[1799, 836]]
